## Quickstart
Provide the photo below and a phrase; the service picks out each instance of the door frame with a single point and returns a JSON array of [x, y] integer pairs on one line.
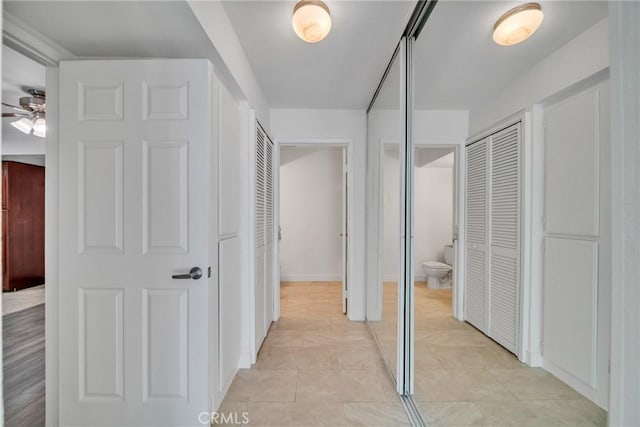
[[344, 241], [305, 143], [44, 51]]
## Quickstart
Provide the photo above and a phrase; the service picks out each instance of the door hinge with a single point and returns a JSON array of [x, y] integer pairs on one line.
[[208, 271]]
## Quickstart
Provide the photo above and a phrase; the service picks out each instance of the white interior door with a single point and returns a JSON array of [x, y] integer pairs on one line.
[[577, 243], [476, 268], [345, 230], [134, 210]]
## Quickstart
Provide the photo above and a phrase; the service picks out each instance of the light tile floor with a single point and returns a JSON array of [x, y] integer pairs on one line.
[[463, 378], [316, 368], [23, 299]]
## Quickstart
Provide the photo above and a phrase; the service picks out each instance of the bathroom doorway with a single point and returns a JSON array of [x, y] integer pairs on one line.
[[313, 234], [435, 234]]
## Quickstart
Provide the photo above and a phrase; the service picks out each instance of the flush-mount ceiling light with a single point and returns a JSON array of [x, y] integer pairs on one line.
[[311, 20], [518, 24]]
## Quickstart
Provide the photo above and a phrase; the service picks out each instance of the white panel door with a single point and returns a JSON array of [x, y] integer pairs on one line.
[[577, 249], [475, 300], [134, 148], [230, 317], [229, 191], [571, 276], [572, 166], [229, 320]]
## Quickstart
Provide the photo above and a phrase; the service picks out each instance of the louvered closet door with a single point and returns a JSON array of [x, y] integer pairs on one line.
[[260, 207], [505, 224], [268, 312], [476, 235]]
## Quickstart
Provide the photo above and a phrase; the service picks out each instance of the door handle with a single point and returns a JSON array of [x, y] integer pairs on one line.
[[195, 273]]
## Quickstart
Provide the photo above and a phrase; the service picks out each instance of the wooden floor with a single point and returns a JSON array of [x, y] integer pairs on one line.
[[23, 347]]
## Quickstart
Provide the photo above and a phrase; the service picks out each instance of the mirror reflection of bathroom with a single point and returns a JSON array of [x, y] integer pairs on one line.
[[434, 228]]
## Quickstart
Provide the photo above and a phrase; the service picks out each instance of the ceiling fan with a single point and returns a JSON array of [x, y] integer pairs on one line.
[[31, 113]]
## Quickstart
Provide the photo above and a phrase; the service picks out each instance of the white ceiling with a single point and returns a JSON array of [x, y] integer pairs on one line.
[[342, 71], [125, 29], [456, 60], [458, 63]]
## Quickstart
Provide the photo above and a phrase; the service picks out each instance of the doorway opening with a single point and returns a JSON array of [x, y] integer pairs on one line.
[[313, 233], [435, 240], [435, 234], [23, 231]]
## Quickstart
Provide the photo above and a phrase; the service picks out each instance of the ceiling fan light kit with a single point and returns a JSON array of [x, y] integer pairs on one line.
[[31, 113], [40, 127], [517, 24], [311, 20], [23, 125]]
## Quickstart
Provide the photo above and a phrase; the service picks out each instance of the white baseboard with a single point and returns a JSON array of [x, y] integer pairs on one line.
[[284, 277], [217, 398], [534, 359], [356, 316], [245, 361], [574, 383]]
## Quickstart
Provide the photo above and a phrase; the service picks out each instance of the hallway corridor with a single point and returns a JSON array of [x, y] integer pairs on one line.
[[316, 368]]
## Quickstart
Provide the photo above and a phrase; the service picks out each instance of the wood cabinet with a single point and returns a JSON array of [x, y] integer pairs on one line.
[[22, 225]]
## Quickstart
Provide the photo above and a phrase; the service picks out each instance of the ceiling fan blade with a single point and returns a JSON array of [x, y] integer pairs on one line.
[[13, 115], [20, 109]]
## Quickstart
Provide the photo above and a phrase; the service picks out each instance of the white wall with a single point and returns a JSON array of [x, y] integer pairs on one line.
[[328, 127], [311, 214], [582, 57], [625, 332], [37, 160], [433, 207], [232, 66]]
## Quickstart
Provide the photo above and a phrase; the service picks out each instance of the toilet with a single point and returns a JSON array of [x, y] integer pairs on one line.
[[438, 273]]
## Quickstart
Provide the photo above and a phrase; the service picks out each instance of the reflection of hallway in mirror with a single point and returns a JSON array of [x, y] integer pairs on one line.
[[462, 377], [386, 330]]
